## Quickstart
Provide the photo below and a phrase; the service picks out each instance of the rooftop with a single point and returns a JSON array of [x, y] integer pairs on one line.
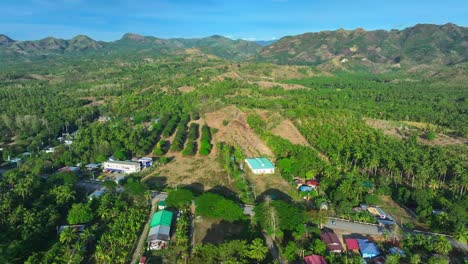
[[162, 217], [315, 259], [122, 162], [352, 244], [260, 163], [368, 247]]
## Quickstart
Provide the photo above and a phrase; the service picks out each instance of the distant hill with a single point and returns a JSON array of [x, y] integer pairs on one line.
[[219, 46], [5, 40], [421, 44]]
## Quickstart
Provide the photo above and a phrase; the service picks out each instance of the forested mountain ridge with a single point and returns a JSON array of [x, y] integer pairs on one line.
[[421, 44], [214, 45]]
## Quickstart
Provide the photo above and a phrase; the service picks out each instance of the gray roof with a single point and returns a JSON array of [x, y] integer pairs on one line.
[[159, 232], [122, 162]]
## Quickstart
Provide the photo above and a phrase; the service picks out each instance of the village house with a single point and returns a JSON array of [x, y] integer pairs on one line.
[[146, 162], [315, 259], [121, 166], [368, 249], [332, 242], [159, 234], [352, 245], [260, 165]]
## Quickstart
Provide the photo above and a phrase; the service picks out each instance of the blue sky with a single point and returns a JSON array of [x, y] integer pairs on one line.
[[246, 19]]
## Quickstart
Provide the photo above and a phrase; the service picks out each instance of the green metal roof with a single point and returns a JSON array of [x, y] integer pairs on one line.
[[260, 163], [162, 203], [162, 217]]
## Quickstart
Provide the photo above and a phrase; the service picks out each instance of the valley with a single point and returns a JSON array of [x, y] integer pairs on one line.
[[232, 151]]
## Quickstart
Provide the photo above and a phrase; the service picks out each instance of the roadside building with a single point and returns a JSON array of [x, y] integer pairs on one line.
[[332, 242], [352, 245], [146, 162], [159, 234], [77, 228], [93, 166], [368, 249], [312, 184], [377, 211], [121, 166], [315, 259], [260, 165], [97, 194]]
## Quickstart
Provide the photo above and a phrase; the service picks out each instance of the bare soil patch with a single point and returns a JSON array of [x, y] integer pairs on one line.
[[186, 89], [287, 130], [216, 231], [188, 170], [402, 130], [232, 127], [270, 183]]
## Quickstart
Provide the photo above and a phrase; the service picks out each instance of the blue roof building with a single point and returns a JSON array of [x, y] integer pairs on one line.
[[368, 249], [260, 165]]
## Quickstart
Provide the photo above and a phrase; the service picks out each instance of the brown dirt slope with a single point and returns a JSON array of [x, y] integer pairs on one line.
[[237, 132], [287, 130]]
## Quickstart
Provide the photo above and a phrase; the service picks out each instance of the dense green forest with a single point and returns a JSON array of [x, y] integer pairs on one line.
[[129, 107]]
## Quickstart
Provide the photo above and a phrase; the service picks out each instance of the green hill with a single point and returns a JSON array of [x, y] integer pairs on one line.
[[420, 44]]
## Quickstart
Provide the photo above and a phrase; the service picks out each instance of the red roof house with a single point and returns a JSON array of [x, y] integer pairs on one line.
[[332, 242], [315, 259], [312, 183], [352, 244]]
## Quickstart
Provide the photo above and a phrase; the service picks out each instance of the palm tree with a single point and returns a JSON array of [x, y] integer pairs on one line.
[[258, 250], [442, 245], [433, 184], [67, 235], [461, 234]]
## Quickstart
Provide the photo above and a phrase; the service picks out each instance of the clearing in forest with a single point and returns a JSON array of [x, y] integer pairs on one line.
[[233, 129], [287, 130], [205, 172], [270, 184], [215, 231], [399, 214], [403, 130]]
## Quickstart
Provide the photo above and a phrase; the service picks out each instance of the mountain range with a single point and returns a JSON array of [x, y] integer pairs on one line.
[[420, 44]]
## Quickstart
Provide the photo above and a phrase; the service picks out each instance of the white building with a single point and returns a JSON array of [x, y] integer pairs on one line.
[[260, 165], [121, 166]]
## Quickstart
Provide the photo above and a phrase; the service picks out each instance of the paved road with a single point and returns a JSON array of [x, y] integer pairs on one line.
[[354, 227], [376, 230], [155, 197]]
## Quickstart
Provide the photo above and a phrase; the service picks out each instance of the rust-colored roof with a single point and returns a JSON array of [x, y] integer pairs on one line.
[[352, 244], [332, 241], [315, 259]]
